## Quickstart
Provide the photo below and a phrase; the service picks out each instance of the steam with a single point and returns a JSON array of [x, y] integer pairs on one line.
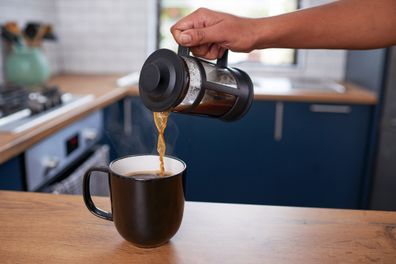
[[141, 137]]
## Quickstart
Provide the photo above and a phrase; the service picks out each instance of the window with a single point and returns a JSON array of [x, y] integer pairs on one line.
[[172, 10]]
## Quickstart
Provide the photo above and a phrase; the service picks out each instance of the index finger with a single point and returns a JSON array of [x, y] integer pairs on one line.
[[181, 26], [188, 22]]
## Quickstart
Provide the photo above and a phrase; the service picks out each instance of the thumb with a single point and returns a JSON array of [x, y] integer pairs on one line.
[[200, 36]]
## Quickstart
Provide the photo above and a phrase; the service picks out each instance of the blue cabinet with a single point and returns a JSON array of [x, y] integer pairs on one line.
[[307, 155], [227, 161], [321, 157], [130, 129], [12, 174], [280, 153]]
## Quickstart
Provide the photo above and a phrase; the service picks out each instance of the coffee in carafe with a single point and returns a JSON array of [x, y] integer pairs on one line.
[[182, 83]]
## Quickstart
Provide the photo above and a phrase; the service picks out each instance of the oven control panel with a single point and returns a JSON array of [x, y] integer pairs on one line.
[[50, 156], [72, 144]]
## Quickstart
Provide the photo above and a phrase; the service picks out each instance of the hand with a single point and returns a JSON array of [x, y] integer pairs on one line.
[[209, 33]]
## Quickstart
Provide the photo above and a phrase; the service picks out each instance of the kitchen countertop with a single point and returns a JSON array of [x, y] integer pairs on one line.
[[46, 228], [103, 87], [106, 92], [353, 95]]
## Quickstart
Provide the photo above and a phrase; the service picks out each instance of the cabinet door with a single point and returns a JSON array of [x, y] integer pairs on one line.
[[12, 175], [312, 155], [227, 161], [320, 158]]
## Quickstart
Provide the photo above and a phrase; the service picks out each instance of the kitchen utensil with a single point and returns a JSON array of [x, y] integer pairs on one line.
[[38, 38], [185, 84], [146, 210], [8, 36], [13, 28], [49, 33], [11, 32], [32, 28], [30, 32]]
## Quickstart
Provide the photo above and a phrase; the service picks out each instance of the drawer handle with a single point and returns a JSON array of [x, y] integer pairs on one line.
[[127, 115], [278, 130], [335, 109]]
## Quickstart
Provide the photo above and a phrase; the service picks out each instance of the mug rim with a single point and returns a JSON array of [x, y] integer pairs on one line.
[[149, 179]]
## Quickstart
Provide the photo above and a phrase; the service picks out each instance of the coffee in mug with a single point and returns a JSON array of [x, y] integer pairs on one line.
[[147, 208], [148, 174]]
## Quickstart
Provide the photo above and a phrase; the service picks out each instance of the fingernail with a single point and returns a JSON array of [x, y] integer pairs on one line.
[[185, 38]]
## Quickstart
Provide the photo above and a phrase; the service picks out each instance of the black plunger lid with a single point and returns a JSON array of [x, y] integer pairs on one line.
[[162, 80]]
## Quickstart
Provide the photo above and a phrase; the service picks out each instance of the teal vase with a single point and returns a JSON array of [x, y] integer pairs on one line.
[[26, 66]]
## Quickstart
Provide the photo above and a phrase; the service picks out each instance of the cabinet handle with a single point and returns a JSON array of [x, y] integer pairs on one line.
[[278, 129], [127, 115], [335, 109]]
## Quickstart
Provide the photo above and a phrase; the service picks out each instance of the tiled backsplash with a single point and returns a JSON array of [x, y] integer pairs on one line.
[[108, 36], [102, 35]]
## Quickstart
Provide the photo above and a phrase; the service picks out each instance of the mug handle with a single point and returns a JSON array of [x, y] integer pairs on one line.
[[221, 62], [87, 194]]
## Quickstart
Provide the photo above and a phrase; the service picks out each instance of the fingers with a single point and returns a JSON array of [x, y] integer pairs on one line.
[[203, 31], [188, 22], [210, 52], [179, 27], [198, 28], [200, 36], [200, 50]]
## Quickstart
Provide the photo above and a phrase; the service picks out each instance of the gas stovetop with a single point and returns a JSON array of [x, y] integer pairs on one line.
[[21, 109]]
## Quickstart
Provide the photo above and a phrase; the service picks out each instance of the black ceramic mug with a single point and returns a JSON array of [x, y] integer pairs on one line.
[[147, 211]]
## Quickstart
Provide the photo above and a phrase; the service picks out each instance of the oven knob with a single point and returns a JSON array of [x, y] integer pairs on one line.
[[49, 164], [90, 134]]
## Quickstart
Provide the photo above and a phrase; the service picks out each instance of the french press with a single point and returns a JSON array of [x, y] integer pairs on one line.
[[185, 84]]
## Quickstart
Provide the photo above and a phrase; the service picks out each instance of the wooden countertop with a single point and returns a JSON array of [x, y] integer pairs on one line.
[[106, 92], [46, 228], [103, 87], [353, 95]]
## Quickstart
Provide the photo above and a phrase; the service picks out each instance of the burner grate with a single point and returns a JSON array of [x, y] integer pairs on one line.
[[12, 99]]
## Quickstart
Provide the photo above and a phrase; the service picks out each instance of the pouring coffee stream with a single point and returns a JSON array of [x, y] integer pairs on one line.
[[161, 120], [182, 83]]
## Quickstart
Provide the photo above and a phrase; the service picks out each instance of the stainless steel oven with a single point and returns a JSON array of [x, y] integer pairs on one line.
[[57, 163]]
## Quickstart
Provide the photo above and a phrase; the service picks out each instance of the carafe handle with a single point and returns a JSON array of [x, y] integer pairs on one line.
[[183, 51], [222, 62]]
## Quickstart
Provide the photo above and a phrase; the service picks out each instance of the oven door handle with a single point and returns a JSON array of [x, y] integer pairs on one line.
[[87, 194]]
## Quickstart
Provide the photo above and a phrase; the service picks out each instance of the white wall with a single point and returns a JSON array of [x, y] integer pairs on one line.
[[112, 36], [328, 64], [323, 63], [102, 36]]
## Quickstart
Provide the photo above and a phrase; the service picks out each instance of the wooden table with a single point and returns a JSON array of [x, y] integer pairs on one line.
[[45, 228]]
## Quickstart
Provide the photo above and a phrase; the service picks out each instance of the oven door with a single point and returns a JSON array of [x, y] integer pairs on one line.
[[70, 181], [54, 157]]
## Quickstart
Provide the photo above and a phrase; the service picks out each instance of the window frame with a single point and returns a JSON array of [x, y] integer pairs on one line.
[[308, 61], [244, 64]]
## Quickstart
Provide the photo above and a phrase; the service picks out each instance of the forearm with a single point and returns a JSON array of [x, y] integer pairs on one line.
[[345, 24]]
